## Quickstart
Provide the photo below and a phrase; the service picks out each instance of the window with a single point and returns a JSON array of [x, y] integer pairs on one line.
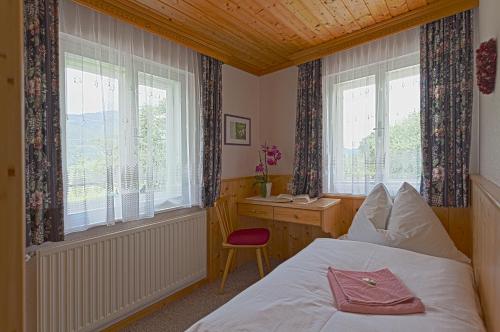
[[130, 124], [403, 152], [372, 124]]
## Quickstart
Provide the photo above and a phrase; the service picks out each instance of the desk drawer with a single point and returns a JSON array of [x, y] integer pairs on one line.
[[308, 217], [254, 210]]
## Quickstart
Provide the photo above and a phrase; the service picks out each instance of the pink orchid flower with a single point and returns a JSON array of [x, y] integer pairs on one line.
[[271, 161]]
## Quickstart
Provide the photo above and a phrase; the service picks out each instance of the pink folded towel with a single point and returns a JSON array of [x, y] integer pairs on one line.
[[379, 292]]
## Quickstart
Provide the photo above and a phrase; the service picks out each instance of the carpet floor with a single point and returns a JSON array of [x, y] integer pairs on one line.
[[180, 315]]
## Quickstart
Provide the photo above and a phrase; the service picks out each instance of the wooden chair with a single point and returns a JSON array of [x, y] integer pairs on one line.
[[256, 238]]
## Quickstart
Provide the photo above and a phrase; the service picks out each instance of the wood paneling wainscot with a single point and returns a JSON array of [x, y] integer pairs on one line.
[[486, 247], [12, 236], [288, 238], [456, 221]]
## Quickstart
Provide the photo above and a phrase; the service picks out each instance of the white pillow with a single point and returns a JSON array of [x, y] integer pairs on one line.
[[371, 219], [414, 226]]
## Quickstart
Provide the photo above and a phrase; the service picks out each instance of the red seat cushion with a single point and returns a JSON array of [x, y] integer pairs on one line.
[[249, 236]]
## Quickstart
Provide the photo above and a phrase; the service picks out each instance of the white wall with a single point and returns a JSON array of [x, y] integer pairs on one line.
[[489, 105], [240, 96], [271, 102], [278, 104]]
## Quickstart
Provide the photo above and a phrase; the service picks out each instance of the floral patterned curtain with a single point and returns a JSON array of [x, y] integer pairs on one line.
[[211, 100], [446, 69], [44, 190], [307, 167]]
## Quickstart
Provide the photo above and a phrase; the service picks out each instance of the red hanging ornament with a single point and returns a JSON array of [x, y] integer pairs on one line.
[[486, 66]]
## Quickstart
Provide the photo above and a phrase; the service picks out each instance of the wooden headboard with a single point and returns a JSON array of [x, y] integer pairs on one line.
[[486, 248]]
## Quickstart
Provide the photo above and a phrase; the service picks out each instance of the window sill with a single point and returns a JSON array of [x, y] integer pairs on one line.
[[102, 230], [350, 196]]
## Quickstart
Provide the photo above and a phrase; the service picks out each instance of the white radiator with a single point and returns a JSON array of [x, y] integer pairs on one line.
[[85, 285]]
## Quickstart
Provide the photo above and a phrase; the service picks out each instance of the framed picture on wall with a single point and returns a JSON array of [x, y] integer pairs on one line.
[[237, 130]]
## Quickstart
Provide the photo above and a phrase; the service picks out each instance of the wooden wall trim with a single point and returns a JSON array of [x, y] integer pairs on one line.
[[411, 19], [12, 236], [491, 190], [486, 247], [252, 177]]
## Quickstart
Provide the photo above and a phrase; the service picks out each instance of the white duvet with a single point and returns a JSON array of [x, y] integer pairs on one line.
[[296, 296]]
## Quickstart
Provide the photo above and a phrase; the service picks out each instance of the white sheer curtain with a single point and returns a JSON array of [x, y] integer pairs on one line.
[[130, 120], [371, 103]]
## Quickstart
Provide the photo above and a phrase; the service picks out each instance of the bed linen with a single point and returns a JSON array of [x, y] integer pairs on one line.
[[296, 296]]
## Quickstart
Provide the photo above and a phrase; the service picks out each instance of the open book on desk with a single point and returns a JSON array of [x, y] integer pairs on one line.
[[284, 198], [299, 199]]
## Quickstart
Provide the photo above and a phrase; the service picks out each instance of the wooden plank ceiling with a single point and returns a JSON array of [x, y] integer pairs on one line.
[[262, 36]]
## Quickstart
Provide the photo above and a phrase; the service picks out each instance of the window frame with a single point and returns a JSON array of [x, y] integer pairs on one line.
[[380, 72], [163, 202]]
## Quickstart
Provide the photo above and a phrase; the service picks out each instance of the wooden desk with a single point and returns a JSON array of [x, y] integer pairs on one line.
[[323, 213]]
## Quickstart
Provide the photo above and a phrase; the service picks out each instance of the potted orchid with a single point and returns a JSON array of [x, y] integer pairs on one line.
[[268, 156]]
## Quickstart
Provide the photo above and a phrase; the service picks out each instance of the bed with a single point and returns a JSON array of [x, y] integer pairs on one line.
[[296, 296]]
